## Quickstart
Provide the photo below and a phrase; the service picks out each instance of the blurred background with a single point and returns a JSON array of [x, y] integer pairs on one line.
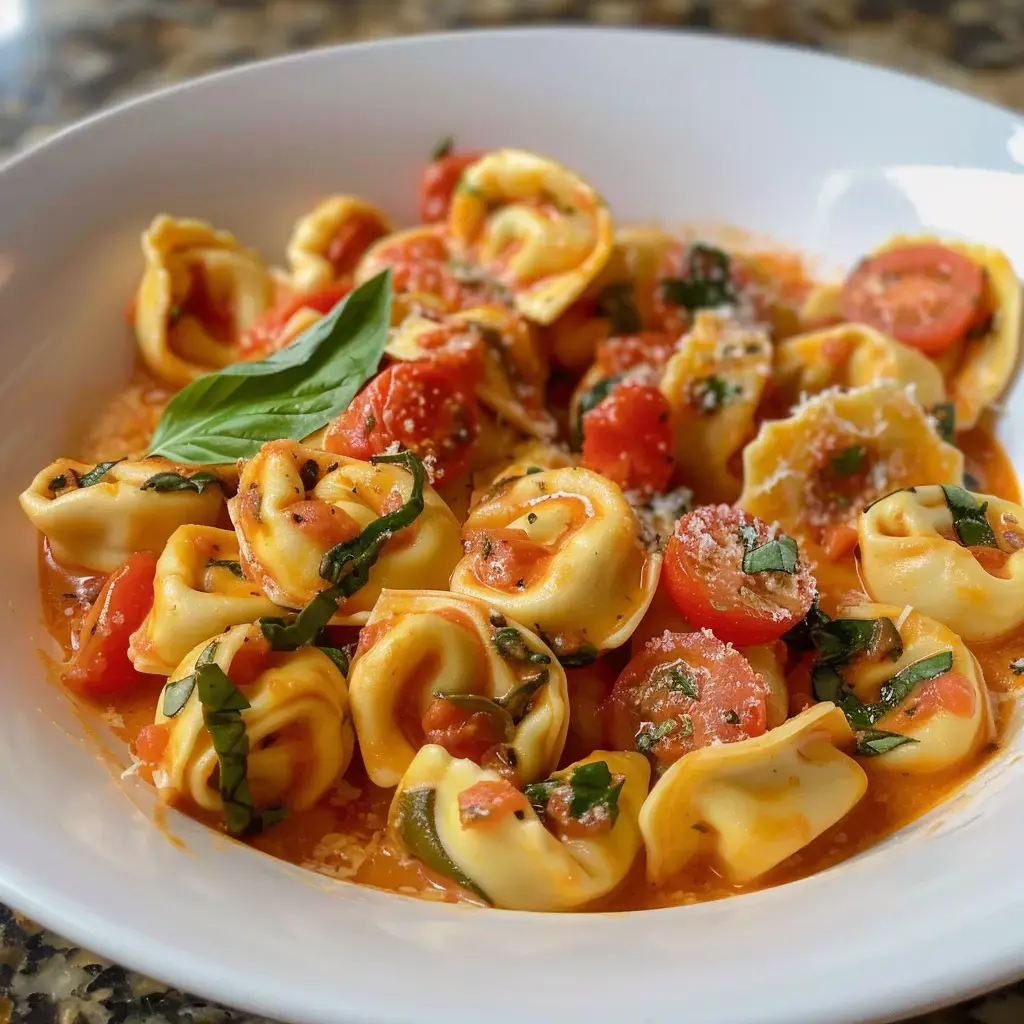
[[63, 59]]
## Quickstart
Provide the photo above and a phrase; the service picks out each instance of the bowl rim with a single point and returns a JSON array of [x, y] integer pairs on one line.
[[143, 951]]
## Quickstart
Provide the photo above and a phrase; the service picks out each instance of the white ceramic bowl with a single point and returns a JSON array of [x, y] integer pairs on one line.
[[826, 155]]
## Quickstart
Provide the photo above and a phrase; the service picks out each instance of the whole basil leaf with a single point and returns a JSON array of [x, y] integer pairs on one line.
[[229, 414]]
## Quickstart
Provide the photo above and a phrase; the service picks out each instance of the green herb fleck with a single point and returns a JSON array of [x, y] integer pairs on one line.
[[872, 742], [615, 302], [944, 415], [711, 393], [708, 281], [96, 474], [235, 568], [647, 738], [849, 460], [673, 677], [443, 148], [969, 519], [170, 481], [509, 643]]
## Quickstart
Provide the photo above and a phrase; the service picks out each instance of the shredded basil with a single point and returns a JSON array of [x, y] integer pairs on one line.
[[840, 640], [944, 415], [417, 825], [169, 481], [176, 694], [443, 148], [347, 565], [592, 786], [872, 742], [686, 725], [341, 656], [647, 738], [711, 393], [478, 704], [517, 702], [969, 519], [778, 555], [708, 281], [585, 654], [509, 643], [673, 677], [235, 568], [849, 460], [530, 470], [96, 474], [615, 302]]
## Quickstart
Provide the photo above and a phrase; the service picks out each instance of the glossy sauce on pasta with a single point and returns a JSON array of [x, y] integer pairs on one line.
[[531, 287]]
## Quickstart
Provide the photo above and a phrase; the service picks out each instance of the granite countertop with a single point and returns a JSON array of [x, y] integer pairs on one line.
[[63, 59]]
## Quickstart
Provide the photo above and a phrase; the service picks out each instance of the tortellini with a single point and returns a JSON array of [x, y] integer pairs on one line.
[[713, 384], [97, 525], [517, 863], [533, 225], [752, 804], [199, 293], [418, 644], [515, 368], [527, 457], [295, 503], [976, 370], [945, 718], [814, 471], [851, 356], [561, 551], [326, 244], [911, 554], [199, 591], [298, 725]]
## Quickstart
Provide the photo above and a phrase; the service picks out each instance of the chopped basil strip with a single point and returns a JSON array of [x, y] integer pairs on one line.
[[197, 482], [969, 519], [711, 393], [897, 689], [443, 148], [647, 738], [615, 302], [872, 742], [849, 460], [416, 824], [235, 568], [477, 703], [944, 415], [539, 793], [530, 470], [839, 640], [96, 474], [509, 643], [708, 281], [778, 555], [593, 786], [672, 677], [176, 694], [899, 490], [347, 565], [341, 657], [517, 702], [585, 654], [591, 399], [1017, 667], [801, 637], [686, 725]]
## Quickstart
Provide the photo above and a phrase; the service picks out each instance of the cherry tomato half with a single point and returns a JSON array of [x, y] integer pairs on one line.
[[428, 406], [437, 183], [351, 240], [685, 691], [627, 437], [705, 578], [100, 668], [926, 296]]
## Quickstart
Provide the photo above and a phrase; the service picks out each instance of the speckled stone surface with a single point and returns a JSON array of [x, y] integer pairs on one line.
[[63, 59]]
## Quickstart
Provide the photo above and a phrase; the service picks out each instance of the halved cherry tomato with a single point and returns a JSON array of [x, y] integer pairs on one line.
[[505, 558], [437, 183], [428, 407], [489, 802], [100, 667], [926, 296], [351, 240], [624, 351], [627, 437], [265, 336], [685, 691], [705, 578], [466, 734]]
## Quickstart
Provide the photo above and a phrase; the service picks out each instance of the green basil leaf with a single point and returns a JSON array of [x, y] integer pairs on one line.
[[341, 657], [509, 643], [233, 567], [711, 393], [478, 704], [708, 282], [593, 786], [176, 694], [539, 793], [969, 519], [778, 555], [647, 738], [591, 399], [615, 302], [801, 637], [197, 482], [674, 677], [872, 742], [897, 689], [416, 824], [517, 702], [96, 474], [585, 654], [840, 640], [944, 414], [849, 460], [229, 414]]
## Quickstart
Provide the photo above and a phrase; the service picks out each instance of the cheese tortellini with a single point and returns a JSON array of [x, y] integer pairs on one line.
[[326, 244], [95, 517], [839, 451], [533, 225], [200, 291], [752, 804], [517, 863], [423, 644], [713, 384], [300, 734], [911, 554], [945, 717], [560, 550], [199, 591], [851, 356], [296, 503], [515, 367]]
